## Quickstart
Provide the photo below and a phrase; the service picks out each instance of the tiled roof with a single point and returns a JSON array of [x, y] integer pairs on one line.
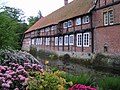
[[73, 9]]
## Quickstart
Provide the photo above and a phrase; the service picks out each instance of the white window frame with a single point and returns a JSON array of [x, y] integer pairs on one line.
[[60, 40], [71, 41], [37, 41], [66, 40], [47, 41], [105, 17], [32, 41], [56, 41], [78, 21], [65, 24], [79, 39], [40, 41], [111, 17], [85, 19], [86, 38], [70, 24]]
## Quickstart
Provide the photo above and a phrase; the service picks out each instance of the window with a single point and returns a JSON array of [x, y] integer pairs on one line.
[[32, 34], [71, 40], [66, 40], [85, 19], [70, 23], [56, 41], [86, 40], [111, 17], [47, 29], [78, 21], [39, 41], [60, 40], [52, 28], [108, 17], [105, 18], [47, 41], [65, 25], [79, 39], [33, 41]]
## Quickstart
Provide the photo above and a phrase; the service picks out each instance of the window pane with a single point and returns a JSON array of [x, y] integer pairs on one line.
[[56, 40], [111, 17], [105, 18], [85, 19], [66, 40], [79, 39], [60, 40], [86, 40], [65, 25], [71, 39], [78, 21], [70, 23]]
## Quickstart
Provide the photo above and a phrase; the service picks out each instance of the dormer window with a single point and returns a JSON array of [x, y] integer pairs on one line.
[[65, 24], [78, 21], [70, 23], [85, 19]]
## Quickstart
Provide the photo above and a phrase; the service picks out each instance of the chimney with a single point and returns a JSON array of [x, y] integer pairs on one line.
[[65, 2]]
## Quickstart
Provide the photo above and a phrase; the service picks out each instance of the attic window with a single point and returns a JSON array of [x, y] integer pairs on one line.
[[78, 21], [47, 29], [65, 24], [52, 28], [85, 19], [70, 23]]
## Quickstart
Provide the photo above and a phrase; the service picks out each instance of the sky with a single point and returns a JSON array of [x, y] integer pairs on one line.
[[31, 7]]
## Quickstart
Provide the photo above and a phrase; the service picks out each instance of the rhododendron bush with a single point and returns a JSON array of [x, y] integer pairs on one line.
[[15, 76]]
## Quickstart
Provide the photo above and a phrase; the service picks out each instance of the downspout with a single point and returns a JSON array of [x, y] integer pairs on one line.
[[91, 24]]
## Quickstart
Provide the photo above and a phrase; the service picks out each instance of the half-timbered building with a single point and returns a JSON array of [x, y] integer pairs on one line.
[[81, 26]]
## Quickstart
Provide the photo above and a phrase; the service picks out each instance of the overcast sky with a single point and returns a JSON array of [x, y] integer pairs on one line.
[[31, 7]]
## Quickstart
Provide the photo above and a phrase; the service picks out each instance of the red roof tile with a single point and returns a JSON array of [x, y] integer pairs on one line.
[[73, 9]]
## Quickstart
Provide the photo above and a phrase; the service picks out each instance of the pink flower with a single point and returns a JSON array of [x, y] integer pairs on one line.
[[21, 77], [16, 89], [20, 67], [5, 85]]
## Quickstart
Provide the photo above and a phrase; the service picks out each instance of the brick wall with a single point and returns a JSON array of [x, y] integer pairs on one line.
[[107, 36]]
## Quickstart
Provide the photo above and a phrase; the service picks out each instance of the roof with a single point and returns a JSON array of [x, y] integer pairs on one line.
[[73, 9]]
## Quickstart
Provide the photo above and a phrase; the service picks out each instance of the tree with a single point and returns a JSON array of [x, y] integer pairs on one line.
[[12, 27], [32, 20], [8, 37]]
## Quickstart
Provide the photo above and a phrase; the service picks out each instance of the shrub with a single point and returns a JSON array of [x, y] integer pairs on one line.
[[13, 77], [33, 51], [46, 81]]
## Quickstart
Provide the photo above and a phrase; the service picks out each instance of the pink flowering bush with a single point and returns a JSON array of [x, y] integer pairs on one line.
[[81, 87], [15, 76]]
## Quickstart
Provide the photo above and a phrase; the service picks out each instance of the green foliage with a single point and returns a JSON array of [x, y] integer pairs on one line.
[[46, 81], [33, 51], [82, 78], [107, 83], [11, 27], [8, 37], [32, 20]]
